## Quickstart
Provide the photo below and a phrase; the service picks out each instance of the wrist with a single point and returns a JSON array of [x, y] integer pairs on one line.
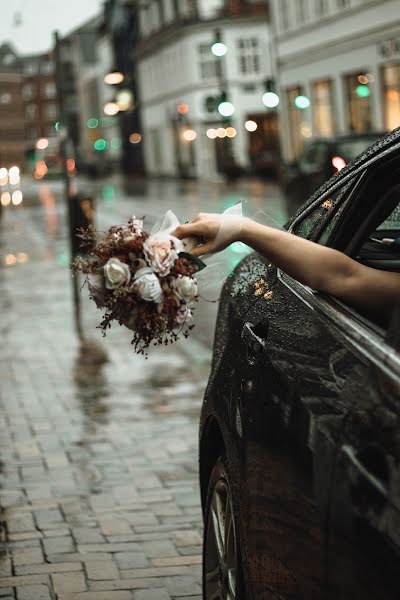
[[245, 230]]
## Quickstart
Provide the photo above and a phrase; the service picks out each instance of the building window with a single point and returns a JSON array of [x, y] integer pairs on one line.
[[298, 127], [31, 112], [49, 89], [28, 91], [31, 68], [249, 56], [47, 67], [210, 65], [359, 113], [322, 7], [301, 11], [51, 111], [187, 9], [5, 98], [284, 15], [323, 110], [391, 91]]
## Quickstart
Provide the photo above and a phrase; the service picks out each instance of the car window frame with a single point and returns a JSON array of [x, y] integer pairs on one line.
[[325, 301]]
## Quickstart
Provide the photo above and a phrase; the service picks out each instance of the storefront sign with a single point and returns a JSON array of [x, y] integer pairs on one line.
[[389, 48]]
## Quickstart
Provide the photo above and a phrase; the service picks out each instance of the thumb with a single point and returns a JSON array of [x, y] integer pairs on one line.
[[203, 249]]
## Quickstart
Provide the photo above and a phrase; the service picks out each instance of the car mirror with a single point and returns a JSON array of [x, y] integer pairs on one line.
[[393, 334]]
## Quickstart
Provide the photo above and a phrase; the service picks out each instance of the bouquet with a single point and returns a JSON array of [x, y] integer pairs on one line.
[[145, 281]]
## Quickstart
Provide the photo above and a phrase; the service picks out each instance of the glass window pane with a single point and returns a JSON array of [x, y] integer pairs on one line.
[[391, 90]]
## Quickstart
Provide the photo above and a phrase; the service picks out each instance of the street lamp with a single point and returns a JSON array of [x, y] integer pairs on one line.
[[114, 77]]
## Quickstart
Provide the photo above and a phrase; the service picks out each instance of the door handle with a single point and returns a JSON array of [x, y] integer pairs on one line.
[[255, 342]]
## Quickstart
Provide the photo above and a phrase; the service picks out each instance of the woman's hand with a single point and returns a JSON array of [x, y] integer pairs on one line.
[[214, 232]]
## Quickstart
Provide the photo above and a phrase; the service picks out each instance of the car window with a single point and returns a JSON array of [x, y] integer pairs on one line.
[[313, 157], [319, 224]]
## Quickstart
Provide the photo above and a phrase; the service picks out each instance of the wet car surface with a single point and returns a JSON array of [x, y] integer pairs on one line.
[[300, 429]]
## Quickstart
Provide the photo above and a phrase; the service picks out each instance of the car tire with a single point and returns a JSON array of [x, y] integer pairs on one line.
[[222, 564]]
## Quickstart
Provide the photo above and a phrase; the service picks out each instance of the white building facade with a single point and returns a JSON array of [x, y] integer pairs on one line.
[[177, 72], [343, 56]]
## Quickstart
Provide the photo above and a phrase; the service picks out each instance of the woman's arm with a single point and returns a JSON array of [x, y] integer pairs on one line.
[[321, 268]]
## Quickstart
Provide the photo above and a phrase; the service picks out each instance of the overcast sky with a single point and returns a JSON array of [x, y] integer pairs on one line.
[[40, 18]]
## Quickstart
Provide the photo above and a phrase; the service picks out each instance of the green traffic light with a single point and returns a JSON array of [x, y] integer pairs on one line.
[[93, 123], [363, 91], [100, 144], [302, 102]]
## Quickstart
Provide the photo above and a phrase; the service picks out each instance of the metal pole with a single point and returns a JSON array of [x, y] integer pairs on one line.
[[64, 134]]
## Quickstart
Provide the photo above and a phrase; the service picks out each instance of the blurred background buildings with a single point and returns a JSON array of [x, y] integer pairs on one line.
[[201, 88]]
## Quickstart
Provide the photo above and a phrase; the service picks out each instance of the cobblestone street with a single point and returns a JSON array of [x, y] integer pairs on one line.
[[99, 489]]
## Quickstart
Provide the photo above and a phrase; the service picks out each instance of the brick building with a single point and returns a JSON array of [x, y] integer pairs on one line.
[[12, 120], [39, 94]]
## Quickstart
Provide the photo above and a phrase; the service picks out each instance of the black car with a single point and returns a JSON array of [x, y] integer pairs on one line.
[[320, 159], [300, 429]]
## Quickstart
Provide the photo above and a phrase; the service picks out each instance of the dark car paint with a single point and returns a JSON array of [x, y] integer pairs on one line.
[[303, 400]]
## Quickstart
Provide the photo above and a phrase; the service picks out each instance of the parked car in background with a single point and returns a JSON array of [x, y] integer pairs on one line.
[[300, 425], [320, 159]]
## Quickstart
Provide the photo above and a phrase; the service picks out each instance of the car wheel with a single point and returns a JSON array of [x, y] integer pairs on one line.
[[222, 578]]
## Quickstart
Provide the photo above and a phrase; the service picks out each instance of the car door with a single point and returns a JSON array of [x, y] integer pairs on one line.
[[291, 415], [364, 548]]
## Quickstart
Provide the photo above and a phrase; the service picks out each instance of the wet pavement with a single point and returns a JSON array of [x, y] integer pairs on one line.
[[98, 471]]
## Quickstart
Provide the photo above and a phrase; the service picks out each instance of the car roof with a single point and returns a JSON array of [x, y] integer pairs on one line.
[[386, 145], [349, 137]]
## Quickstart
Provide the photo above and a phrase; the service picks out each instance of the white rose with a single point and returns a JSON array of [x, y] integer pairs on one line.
[[161, 251], [185, 288], [116, 273], [147, 285], [184, 316], [96, 287]]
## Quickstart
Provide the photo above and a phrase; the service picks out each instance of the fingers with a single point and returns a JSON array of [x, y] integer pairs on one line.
[[187, 230]]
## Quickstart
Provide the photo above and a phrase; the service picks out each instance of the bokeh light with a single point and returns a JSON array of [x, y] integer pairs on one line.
[[116, 144], [221, 132], [100, 145], [93, 123], [9, 260], [251, 125], [219, 49], [302, 102], [226, 109], [22, 257], [124, 100], [270, 99], [5, 198], [211, 133], [17, 197], [135, 138], [362, 91], [111, 108], [42, 144], [182, 108], [231, 132], [363, 79], [189, 135], [114, 78], [3, 176], [338, 162]]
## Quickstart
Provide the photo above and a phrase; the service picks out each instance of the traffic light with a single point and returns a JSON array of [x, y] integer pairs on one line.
[[224, 106]]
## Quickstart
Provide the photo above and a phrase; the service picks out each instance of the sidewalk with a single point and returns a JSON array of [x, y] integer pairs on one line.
[[98, 471]]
